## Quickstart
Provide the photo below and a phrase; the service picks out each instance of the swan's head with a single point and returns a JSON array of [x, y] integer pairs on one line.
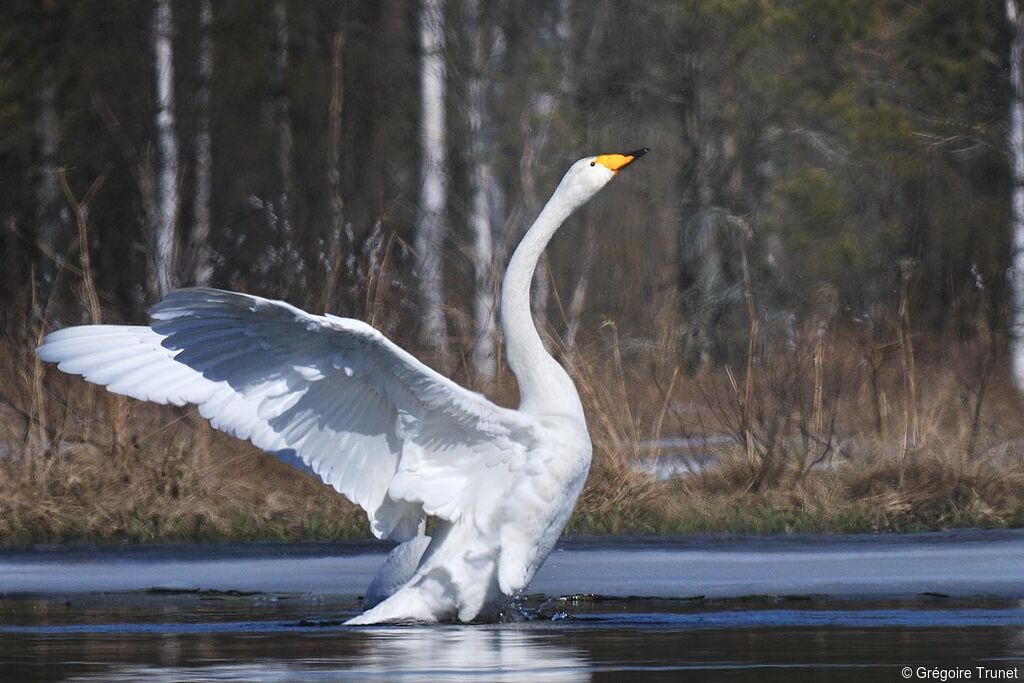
[[590, 174]]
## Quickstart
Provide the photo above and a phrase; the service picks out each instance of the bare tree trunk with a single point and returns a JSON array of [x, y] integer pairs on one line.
[[282, 125], [541, 107], [336, 228], [712, 202], [563, 29], [499, 213], [911, 411], [199, 247], [500, 217], [1016, 143], [481, 178], [50, 227], [164, 229], [282, 262], [545, 106], [541, 293], [579, 293], [200, 255], [430, 221]]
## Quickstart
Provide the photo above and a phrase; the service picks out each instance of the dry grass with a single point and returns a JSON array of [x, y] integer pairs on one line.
[[168, 477], [172, 492], [806, 441]]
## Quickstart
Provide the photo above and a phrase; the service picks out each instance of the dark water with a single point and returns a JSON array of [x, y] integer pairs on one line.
[[928, 614], [163, 637]]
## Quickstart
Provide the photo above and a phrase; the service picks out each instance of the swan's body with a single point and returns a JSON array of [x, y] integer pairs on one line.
[[334, 396]]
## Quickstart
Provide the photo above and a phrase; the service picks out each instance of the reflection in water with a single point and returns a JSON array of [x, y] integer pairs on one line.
[[489, 653], [295, 637], [399, 654]]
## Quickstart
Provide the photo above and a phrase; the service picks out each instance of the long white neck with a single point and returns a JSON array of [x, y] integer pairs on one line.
[[544, 386]]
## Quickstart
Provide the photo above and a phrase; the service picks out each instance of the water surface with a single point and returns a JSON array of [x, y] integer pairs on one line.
[[853, 608]]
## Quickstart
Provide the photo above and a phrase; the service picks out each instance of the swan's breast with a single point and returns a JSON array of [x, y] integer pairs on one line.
[[541, 502]]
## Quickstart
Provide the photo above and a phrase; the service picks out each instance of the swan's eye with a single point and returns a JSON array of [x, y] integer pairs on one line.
[[593, 163]]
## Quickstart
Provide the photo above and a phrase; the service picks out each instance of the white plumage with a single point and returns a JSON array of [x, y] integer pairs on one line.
[[334, 396]]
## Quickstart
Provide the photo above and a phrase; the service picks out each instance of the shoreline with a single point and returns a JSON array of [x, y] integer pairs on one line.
[[357, 546], [966, 563]]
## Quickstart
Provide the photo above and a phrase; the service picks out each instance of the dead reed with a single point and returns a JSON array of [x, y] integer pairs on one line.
[[828, 427]]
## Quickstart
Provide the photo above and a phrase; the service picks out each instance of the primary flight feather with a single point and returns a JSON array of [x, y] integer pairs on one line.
[[334, 396]]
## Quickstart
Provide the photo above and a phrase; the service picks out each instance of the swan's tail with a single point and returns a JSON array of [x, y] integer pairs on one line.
[[399, 567]]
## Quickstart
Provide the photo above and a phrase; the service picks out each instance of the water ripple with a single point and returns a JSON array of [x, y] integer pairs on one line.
[[730, 619]]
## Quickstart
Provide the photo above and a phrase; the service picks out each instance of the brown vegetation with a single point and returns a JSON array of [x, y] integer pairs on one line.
[[821, 433]]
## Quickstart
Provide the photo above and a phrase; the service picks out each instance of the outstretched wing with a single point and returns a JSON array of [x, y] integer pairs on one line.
[[325, 393]]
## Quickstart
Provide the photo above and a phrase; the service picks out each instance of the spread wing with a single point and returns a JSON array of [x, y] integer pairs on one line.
[[329, 394]]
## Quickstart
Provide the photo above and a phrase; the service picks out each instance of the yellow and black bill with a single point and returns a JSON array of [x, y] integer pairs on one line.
[[617, 162]]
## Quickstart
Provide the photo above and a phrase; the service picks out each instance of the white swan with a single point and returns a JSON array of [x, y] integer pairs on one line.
[[334, 396]]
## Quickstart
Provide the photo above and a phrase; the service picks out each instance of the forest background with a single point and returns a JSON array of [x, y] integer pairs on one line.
[[797, 313]]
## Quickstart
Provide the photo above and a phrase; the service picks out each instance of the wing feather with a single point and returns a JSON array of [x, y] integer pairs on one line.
[[323, 393]]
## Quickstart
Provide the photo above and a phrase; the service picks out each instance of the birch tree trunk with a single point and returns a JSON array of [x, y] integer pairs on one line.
[[200, 263], [1016, 144], [430, 219], [481, 180], [164, 235]]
